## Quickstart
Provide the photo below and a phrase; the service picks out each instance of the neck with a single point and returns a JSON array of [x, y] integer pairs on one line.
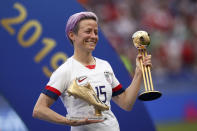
[[84, 58]]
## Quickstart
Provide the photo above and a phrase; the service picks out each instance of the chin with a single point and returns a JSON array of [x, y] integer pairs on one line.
[[92, 48]]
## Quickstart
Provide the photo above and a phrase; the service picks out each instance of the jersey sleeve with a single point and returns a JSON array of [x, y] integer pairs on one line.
[[57, 83], [117, 88]]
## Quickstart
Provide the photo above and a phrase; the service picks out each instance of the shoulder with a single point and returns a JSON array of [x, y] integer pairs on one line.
[[104, 64], [101, 61]]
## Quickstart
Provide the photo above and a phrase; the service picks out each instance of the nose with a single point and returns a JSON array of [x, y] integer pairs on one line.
[[94, 35]]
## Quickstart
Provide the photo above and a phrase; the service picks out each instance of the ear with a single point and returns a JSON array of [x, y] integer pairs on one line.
[[71, 35]]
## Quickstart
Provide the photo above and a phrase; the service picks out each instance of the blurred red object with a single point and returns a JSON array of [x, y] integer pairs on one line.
[[191, 112]]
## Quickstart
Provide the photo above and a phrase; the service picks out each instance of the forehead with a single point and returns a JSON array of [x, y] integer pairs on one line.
[[88, 23]]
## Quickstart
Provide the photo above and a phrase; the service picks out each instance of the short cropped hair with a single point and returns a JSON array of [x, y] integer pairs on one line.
[[73, 21]]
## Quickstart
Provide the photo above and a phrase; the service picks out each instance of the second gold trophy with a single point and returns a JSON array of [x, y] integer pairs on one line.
[[141, 41]]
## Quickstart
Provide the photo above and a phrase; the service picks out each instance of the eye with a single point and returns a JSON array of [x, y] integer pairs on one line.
[[87, 31], [96, 32]]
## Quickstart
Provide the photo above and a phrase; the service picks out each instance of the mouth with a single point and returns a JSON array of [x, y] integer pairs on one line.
[[90, 42]]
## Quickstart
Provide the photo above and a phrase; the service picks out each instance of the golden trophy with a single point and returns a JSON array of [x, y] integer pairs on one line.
[[86, 93], [141, 41]]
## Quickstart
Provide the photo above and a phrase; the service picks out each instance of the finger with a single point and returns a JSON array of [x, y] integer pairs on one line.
[[88, 121], [139, 56], [147, 58], [83, 122], [93, 121], [147, 63]]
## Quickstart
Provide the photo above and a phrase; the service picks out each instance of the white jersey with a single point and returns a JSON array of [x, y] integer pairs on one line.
[[102, 79]]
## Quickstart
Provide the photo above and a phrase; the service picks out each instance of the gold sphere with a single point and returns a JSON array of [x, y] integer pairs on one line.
[[141, 39]]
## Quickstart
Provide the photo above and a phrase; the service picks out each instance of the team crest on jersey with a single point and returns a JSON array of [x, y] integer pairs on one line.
[[108, 76]]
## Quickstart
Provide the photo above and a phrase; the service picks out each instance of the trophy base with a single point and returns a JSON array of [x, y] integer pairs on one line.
[[89, 118], [149, 95]]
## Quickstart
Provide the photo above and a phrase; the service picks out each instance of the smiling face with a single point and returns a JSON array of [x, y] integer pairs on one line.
[[87, 36]]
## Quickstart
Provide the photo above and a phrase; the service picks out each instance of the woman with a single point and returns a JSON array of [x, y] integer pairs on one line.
[[82, 31]]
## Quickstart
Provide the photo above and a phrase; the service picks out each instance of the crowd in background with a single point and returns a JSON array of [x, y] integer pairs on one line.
[[172, 25]]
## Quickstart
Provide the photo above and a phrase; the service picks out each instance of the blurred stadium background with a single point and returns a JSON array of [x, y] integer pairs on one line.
[[172, 25]]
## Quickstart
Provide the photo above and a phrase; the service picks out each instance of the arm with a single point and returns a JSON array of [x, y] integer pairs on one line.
[[128, 97], [42, 111]]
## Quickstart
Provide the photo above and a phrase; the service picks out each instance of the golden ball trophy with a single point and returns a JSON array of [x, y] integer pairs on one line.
[[141, 41]]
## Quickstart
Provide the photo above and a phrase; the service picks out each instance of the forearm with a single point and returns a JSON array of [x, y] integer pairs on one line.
[[47, 114], [132, 91], [128, 98], [42, 111]]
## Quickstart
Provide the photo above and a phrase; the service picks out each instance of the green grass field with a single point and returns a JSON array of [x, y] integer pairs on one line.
[[177, 126]]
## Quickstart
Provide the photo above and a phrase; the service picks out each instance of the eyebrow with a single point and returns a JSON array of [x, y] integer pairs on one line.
[[88, 28]]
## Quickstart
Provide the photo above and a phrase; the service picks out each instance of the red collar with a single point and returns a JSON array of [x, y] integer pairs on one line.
[[91, 66]]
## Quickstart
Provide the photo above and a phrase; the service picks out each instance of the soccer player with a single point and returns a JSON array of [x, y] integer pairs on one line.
[[82, 31]]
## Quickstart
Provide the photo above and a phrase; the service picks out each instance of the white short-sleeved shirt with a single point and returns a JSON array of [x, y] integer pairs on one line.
[[102, 79]]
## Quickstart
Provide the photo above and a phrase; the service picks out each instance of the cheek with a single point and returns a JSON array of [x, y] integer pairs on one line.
[[84, 36]]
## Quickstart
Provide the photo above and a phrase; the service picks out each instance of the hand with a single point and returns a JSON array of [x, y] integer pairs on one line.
[[146, 61], [81, 122]]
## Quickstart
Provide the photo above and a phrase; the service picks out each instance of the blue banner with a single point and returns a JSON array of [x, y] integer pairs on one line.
[[34, 44]]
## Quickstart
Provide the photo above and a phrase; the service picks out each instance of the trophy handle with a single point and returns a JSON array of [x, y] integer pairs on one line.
[[149, 93], [142, 67]]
